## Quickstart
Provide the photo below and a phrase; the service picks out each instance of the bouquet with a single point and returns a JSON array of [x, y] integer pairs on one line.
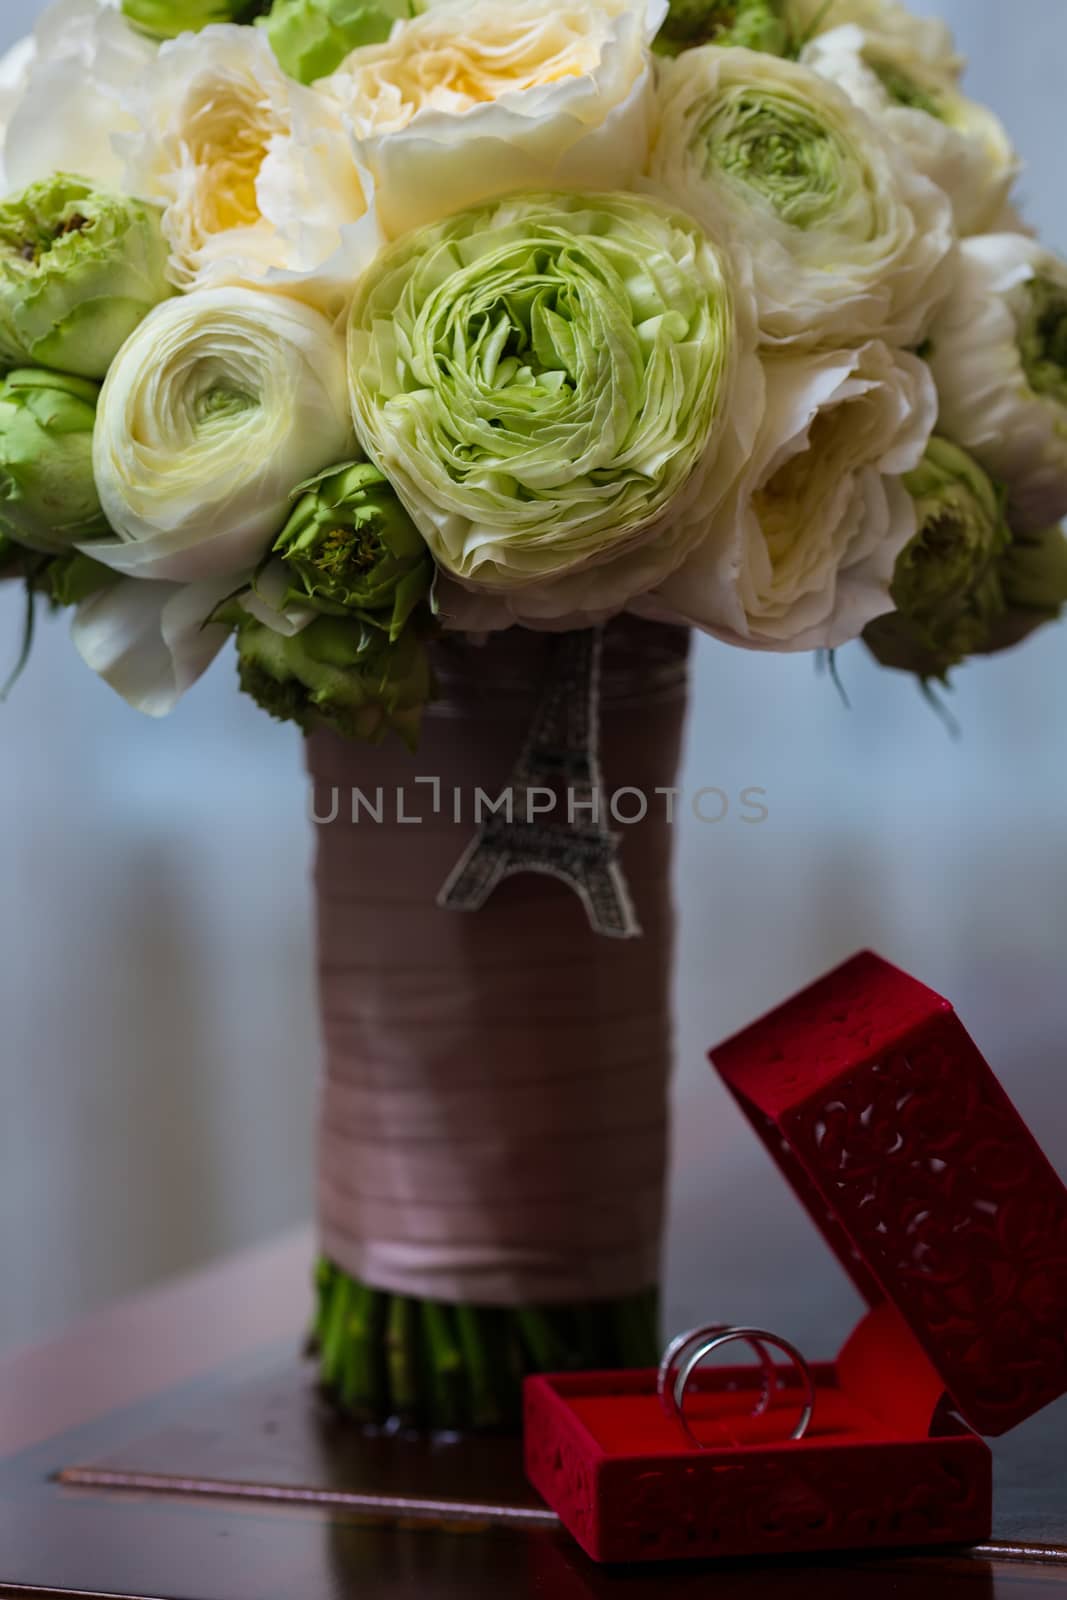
[[330, 326], [333, 328]]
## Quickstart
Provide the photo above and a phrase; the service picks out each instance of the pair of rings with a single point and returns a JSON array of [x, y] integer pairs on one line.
[[685, 1354]]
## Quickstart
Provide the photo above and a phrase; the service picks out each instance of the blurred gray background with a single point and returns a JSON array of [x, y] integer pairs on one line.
[[158, 1042]]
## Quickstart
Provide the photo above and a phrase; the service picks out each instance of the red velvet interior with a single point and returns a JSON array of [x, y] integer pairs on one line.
[[636, 1424], [882, 1389]]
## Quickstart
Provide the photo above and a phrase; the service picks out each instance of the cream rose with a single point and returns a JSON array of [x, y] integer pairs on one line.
[[999, 355], [475, 99], [847, 241], [801, 557], [213, 411], [255, 173], [958, 144]]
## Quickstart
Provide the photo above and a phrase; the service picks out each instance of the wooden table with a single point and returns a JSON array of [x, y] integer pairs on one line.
[[173, 1448]]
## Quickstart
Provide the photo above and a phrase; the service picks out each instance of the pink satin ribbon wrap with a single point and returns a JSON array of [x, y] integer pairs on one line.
[[493, 1112]]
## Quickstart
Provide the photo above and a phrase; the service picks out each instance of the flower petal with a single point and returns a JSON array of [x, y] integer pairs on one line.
[[802, 555], [150, 641]]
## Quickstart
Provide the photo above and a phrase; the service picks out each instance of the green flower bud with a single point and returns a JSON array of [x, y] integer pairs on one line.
[[747, 24], [165, 19], [351, 549], [311, 38], [344, 673], [68, 580], [1033, 577], [48, 497], [947, 581], [10, 557], [79, 268]]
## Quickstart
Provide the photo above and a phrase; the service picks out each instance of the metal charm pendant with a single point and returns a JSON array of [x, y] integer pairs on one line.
[[560, 759]]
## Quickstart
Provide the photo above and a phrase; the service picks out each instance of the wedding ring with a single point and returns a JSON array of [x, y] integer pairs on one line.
[[685, 1354], [666, 1379]]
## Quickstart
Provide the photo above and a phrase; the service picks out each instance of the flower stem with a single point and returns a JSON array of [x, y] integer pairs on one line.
[[402, 1356], [445, 1367], [458, 1368], [364, 1385]]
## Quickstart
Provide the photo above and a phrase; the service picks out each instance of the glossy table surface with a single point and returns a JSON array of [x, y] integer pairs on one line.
[[174, 1448]]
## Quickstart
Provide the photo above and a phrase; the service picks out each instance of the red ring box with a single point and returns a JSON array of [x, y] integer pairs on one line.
[[895, 1135]]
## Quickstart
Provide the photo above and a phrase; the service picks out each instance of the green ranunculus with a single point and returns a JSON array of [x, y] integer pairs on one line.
[[550, 381], [748, 24], [947, 585], [311, 38], [342, 672], [48, 497], [352, 550], [165, 19], [79, 269], [1033, 577]]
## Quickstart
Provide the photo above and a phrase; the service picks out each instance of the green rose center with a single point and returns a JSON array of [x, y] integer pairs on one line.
[[944, 533], [777, 149], [220, 404], [525, 339], [35, 236], [520, 350], [347, 553], [1043, 338], [904, 90], [938, 565]]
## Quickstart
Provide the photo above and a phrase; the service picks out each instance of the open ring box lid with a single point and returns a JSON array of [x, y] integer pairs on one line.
[[895, 1135]]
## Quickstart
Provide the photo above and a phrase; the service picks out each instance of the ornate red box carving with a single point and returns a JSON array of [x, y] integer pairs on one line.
[[895, 1135]]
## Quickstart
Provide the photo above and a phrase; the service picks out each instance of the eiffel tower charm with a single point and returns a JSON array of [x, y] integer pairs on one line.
[[559, 759]]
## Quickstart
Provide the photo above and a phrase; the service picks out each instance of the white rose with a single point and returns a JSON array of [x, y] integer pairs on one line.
[[928, 37], [255, 173], [958, 144], [85, 59], [213, 411], [14, 76], [475, 99], [151, 641], [802, 555], [999, 355], [847, 240]]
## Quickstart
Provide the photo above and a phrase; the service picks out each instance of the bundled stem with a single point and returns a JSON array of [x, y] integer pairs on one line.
[[387, 1359]]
